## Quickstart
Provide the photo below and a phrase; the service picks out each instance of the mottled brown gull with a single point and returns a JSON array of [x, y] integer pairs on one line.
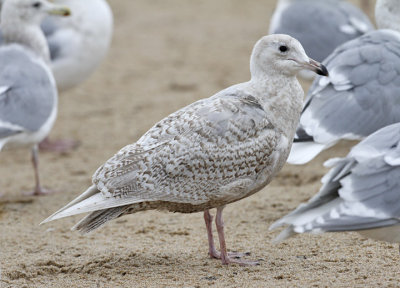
[[211, 153]]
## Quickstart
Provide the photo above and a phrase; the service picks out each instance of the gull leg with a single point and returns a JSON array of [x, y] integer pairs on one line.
[[59, 146], [221, 235], [35, 161], [208, 218]]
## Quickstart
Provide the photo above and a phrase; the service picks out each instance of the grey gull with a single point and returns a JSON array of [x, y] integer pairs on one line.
[[211, 153], [360, 193], [28, 94], [77, 43], [320, 26], [362, 93]]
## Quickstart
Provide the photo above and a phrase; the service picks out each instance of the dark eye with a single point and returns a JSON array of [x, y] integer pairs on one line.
[[37, 5], [283, 48]]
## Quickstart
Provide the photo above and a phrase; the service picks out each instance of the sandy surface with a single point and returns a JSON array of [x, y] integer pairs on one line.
[[166, 54]]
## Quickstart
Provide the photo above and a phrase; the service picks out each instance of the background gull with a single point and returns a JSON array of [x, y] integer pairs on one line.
[[77, 43], [320, 26], [360, 193], [28, 95], [80, 42], [361, 94], [211, 153]]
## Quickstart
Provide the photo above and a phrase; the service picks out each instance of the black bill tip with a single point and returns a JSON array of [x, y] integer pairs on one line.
[[322, 71]]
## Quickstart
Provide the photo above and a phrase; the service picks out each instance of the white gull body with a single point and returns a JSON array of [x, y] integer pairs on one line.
[[361, 94], [78, 43], [361, 193], [211, 153]]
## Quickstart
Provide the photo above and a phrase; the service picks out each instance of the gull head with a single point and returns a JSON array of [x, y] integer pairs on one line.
[[279, 54], [31, 11]]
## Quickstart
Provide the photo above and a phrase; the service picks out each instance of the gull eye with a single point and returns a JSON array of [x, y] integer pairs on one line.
[[283, 48], [37, 5]]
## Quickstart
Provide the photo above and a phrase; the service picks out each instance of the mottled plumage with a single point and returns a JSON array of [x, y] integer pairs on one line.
[[361, 192], [211, 153]]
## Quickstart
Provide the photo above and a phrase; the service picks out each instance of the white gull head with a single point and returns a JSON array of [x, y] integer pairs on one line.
[[20, 23], [279, 54]]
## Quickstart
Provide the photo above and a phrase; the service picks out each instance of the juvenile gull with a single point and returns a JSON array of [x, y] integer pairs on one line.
[[360, 193], [320, 26], [362, 93], [28, 94], [211, 153]]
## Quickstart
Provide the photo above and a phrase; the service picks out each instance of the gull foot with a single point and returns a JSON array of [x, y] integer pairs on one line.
[[234, 257], [39, 192], [58, 146]]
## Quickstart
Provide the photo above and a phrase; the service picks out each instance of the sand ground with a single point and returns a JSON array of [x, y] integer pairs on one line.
[[166, 54]]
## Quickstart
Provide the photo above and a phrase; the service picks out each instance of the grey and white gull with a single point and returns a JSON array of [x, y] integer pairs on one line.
[[362, 93], [360, 193], [79, 43], [320, 26], [28, 94], [211, 153]]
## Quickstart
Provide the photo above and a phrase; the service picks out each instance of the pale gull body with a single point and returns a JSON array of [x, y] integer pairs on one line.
[[360, 193], [28, 94], [211, 153], [80, 42], [320, 26], [362, 93]]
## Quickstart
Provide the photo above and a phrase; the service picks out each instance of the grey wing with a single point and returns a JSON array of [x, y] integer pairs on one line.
[[362, 191], [361, 94], [30, 93], [321, 26], [189, 155], [49, 27]]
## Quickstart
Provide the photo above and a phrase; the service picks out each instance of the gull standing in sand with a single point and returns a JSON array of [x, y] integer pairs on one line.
[[28, 94], [362, 93], [211, 153], [361, 193], [77, 45], [320, 26]]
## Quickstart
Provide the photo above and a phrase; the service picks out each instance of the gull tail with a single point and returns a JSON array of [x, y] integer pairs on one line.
[[304, 152], [98, 218], [66, 211]]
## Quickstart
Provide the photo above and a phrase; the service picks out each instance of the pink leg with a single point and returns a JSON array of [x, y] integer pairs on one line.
[[208, 218], [221, 235], [59, 146], [35, 161]]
